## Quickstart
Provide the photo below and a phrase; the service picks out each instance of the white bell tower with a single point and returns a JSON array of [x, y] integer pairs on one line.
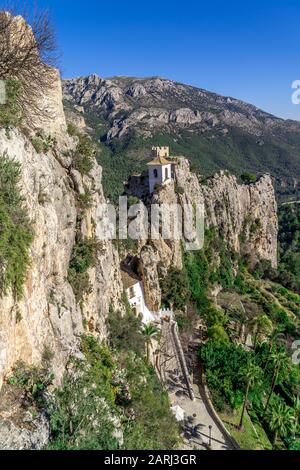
[[160, 168]]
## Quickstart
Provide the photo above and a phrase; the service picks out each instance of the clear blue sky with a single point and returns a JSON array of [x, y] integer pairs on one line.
[[246, 49]]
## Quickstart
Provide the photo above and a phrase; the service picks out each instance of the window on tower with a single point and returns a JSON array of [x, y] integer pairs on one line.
[[155, 173]]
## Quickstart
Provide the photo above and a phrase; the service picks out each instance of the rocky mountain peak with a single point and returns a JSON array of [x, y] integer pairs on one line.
[[179, 105]]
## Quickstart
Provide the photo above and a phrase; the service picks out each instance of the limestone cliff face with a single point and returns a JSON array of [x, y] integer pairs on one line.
[[50, 315], [246, 216], [47, 112]]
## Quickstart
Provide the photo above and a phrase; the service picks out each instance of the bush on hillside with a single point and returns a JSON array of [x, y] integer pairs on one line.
[[16, 232], [249, 178], [10, 112]]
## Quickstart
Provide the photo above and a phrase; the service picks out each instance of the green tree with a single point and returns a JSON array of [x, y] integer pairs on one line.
[[297, 411], [249, 178], [84, 154], [218, 334], [281, 361], [281, 419], [252, 375], [16, 234], [215, 316], [276, 337], [125, 330], [175, 289], [150, 333], [261, 324]]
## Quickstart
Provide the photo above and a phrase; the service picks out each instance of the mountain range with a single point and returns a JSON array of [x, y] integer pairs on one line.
[[127, 115]]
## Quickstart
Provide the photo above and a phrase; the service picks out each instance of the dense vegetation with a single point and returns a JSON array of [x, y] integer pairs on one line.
[[289, 246], [16, 233], [247, 343], [268, 316], [110, 399]]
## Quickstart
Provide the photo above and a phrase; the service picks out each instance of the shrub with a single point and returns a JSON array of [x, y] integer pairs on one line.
[[249, 178], [175, 289], [102, 386], [81, 411], [128, 245], [85, 199], [10, 113], [83, 258], [84, 155], [42, 143], [218, 334], [33, 381], [125, 330], [182, 322], [197, 269], [223, 362], [16, 233], [179, 190], [153, 425], [71, 129], [215, 316], [133, 200]]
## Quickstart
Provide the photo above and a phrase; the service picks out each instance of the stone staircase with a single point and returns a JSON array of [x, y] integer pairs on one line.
[[172, 365]]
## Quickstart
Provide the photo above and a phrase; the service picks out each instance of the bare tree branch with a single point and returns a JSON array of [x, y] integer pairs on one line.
[[27, 55]]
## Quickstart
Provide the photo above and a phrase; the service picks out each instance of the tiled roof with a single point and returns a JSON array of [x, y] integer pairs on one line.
[[159, 161]]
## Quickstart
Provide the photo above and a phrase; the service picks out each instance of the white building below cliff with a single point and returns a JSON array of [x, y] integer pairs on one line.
[[135, 293]]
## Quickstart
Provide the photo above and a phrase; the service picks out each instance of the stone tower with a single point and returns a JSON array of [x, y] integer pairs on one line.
[[160, 168]]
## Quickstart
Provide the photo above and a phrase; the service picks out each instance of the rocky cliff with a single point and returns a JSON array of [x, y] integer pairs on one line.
[[50, 315], [64, 207], [245, 216]]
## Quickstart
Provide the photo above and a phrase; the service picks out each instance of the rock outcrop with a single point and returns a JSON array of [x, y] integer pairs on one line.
[[41, 92], [244, 215], [22, 437], [50, 315]]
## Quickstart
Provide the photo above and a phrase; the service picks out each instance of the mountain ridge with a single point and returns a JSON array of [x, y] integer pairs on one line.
[[214, 131]]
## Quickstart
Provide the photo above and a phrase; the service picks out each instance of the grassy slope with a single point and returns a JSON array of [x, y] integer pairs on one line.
[[253, 437]]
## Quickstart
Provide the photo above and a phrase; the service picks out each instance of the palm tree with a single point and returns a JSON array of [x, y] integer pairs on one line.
[[297, 411], [150, 332], [251, 374], [276, 336], [280, 360], [261, 324], [281, 419]]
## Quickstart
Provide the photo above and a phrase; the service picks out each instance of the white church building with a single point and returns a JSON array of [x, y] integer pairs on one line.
[[160, 168], [135, 294]]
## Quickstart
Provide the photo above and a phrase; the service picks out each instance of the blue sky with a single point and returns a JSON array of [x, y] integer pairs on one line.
[[246, 49]]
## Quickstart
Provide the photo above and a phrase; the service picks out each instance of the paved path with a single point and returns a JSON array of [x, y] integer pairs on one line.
[[197, 416]]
